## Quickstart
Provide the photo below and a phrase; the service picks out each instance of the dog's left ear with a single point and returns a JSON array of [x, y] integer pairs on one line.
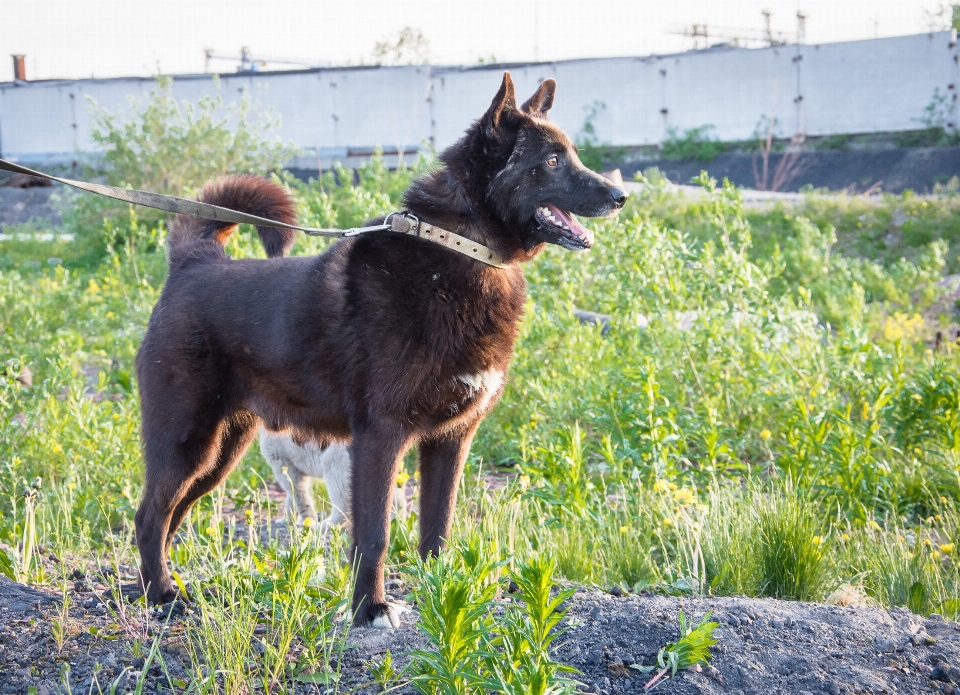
[[542, 99]]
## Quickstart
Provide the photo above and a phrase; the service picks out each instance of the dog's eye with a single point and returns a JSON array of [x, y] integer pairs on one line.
[[553, 161]]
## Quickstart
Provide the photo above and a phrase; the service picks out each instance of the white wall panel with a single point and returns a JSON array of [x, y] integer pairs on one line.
[[342, 113]]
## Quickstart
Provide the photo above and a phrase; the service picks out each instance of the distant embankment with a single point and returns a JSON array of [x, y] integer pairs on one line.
[[893, 170]]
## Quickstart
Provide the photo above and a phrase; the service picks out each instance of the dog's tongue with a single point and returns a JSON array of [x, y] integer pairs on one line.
[[576, 228]]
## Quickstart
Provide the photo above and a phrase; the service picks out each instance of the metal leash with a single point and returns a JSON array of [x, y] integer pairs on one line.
[[181, 206]]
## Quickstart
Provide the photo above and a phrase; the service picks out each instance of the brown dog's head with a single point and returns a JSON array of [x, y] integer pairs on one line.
[[531, 178]]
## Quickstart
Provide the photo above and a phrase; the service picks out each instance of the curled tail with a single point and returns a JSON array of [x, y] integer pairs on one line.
[[249, 194]]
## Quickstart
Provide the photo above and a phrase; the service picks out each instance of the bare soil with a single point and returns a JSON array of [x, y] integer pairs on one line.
[[893, 169], [765, 646]]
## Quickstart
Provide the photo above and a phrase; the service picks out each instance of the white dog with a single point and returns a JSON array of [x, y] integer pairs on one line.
[[303, 463]]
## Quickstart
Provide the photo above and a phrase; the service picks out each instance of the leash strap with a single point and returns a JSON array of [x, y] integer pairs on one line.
[[170, 203], [403, 223]]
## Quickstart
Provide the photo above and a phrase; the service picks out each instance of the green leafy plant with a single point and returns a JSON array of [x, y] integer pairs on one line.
[[691, 649], [383, 671], [166, 146], [472, 651], [694, 144]]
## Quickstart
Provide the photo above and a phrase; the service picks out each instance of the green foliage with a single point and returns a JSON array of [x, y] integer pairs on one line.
[[936, 131], [268, 615], [384, 674], [171, 147], [474, 651], [691, 649], [833, 142], [694, 144], [787, 543]]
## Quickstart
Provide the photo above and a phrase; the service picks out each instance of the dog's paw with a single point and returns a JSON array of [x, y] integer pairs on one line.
[[161, 597], [381, 616]]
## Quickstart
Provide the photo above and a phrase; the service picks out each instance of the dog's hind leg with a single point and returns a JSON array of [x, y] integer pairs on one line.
[[171, 469], [376, 453], [441, 464], [177, 475], [236, 436]]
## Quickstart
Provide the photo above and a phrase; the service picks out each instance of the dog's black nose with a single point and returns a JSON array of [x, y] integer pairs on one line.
[[619, 196]]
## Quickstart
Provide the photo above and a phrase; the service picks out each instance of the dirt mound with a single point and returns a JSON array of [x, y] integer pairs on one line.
[[894, 169], [765, 646]]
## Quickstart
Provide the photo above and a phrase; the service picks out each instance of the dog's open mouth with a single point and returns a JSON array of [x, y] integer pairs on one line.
[[572, 234]]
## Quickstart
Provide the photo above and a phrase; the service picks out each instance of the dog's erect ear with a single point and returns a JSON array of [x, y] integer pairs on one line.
[[542, 99], [504, 104]]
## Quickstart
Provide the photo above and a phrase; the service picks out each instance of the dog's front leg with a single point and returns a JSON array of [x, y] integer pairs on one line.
[[441, 464], [376, 451]]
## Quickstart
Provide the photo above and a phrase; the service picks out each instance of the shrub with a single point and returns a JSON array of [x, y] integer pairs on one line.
[[170, 147], [694, 144]]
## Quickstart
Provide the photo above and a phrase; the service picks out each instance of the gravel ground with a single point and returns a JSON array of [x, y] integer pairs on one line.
[[20, 205], [765, 646], [895, 169]]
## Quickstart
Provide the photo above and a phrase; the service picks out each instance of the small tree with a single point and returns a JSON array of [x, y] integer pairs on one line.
[[171, 147], [407, 47]]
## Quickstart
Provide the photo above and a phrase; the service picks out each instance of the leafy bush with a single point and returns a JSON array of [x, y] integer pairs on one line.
[[170, 147], [694, 144], [475, 651]]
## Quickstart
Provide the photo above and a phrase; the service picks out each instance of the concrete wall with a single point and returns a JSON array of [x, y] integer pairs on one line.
[[341, 114]]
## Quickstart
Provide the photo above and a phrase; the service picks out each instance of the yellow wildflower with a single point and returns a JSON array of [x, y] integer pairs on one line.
[[903, 326], [660, 486], [935, 555], [943, 500], [211, 531], [818, 540], [623, 529], [845, 536], [307, 523], [765, 434], [874, 525], [402, 478], [684, 496], [667, 521], [948, 547]]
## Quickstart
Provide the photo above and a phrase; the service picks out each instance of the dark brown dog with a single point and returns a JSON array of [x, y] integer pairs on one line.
[[385, 340]]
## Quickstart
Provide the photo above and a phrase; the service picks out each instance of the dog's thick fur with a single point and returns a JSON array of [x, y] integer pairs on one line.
[[385, 340], [296, 465]]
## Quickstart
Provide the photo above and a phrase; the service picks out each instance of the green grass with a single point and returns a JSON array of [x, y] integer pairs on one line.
[[766, 417]]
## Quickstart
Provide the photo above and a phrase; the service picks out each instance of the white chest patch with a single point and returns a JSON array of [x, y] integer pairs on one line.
[[485, 384]]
